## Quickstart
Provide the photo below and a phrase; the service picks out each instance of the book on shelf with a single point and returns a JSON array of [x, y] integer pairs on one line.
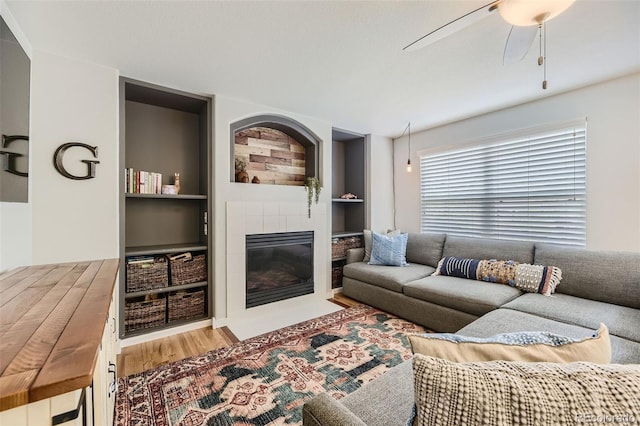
[[142, 182]]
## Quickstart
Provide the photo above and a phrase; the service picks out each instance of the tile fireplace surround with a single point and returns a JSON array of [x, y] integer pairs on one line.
[[246, 218]]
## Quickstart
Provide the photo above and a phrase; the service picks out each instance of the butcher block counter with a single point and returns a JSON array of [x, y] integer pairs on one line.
[[55, 321]]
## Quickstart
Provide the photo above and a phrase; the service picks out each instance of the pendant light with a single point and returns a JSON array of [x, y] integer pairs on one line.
[[408, 129]]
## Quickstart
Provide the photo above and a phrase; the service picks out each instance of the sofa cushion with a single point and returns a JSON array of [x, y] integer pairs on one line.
[[511, 393], [425, 248], [606, 276], [473, 297], [507, 321], [324, 410], [388, 250], [526, 346], [485, 248], [388, 400], [389, 277], [621, 320]]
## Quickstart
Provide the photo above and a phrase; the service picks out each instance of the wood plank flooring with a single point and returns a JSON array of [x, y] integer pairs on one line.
[[137, 358]]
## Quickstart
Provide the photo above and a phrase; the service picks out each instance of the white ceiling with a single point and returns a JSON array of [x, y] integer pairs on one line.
[[341, 61]]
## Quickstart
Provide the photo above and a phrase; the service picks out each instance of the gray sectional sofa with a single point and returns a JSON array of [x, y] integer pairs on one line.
[[596, 287]]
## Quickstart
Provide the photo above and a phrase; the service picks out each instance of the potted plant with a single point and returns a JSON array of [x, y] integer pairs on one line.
[[312, 186]]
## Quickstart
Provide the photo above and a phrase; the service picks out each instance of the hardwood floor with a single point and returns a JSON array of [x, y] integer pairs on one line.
[[137, 358]]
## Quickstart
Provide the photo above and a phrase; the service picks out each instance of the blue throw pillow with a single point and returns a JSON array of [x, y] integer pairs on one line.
[[390, 251]]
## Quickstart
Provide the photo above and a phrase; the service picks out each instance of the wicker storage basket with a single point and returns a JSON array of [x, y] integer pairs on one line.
[[339, 246], [147, 274], [144, 314], [184, 305], [185, 271], [336, 277]]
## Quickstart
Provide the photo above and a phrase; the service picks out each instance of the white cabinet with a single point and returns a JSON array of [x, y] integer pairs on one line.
[[104, 379]]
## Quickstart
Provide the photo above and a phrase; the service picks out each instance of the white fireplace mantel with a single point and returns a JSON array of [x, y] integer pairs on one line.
[[245, 218]]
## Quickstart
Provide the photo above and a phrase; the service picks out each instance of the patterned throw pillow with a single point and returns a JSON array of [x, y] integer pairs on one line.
[[390, 251], [529, 346], [368, 242], [525, 393], [530, 278]]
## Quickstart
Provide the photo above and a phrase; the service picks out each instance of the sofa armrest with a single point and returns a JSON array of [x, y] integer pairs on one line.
[[355, 255], [323, 410]]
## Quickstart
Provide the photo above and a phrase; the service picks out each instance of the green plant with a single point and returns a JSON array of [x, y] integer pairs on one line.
[[312, 186]]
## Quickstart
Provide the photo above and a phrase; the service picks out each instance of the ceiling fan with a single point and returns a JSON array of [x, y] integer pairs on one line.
[[527, 17]]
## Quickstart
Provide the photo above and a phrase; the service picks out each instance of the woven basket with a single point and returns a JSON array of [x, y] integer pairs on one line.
[[339, 246], [188, 271], [336, 277], [147, 276], [144, 314], [186, 305]]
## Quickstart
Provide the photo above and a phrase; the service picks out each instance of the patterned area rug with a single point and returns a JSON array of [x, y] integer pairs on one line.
[[265, 380]]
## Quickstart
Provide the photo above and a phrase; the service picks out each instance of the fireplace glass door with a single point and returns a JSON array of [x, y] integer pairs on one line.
[[279, 266]]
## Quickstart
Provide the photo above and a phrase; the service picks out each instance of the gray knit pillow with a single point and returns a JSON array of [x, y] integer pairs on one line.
[[536, 393]]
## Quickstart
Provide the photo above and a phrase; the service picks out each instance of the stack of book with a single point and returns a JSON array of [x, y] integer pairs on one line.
[[141, 182]]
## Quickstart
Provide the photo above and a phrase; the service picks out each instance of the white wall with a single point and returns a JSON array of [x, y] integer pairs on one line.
[[73, 101], [227, 111], [613, 155], [379, 183]]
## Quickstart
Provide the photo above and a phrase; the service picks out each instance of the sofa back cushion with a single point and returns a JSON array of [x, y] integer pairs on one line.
[[425, 248], [606, 276], [526, 346], [485, 248]]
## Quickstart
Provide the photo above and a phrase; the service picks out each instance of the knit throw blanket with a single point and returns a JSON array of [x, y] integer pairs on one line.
[[529, 278]]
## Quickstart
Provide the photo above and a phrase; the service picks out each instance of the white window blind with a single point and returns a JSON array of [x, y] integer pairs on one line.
[[529, 188]]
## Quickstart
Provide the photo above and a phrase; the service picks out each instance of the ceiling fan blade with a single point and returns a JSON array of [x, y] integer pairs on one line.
[[518, 44], [452, 27]]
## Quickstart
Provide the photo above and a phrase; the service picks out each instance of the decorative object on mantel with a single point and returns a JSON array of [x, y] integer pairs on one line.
[[91, 164], [241, 171], [176, 182], [255, 179], [349, 196], [312, 186]]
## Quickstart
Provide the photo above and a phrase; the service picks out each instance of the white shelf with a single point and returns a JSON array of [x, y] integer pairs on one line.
[[344, 200]]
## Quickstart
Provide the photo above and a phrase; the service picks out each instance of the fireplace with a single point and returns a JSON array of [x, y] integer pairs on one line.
[[279, 266]]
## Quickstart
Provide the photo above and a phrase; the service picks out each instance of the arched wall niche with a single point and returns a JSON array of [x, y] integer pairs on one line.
[[276, 149]]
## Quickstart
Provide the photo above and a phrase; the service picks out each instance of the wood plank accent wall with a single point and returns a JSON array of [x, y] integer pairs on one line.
[[271, 155], [52, 318]]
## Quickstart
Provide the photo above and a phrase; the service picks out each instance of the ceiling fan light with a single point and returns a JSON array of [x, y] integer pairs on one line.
[[524, 13]]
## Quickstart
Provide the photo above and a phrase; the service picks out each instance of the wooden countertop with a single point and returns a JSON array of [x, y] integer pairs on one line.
[[52, 318]]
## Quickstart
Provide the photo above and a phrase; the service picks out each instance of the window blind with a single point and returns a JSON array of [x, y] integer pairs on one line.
[[529, 188]]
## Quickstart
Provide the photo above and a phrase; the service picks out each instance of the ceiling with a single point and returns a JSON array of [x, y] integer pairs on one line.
[[341, 61]]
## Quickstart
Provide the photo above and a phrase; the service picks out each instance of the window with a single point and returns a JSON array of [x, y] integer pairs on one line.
[[520, 188]]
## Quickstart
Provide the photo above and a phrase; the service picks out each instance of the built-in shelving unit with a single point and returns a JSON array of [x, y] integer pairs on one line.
[[348, 217], [165, 131]]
